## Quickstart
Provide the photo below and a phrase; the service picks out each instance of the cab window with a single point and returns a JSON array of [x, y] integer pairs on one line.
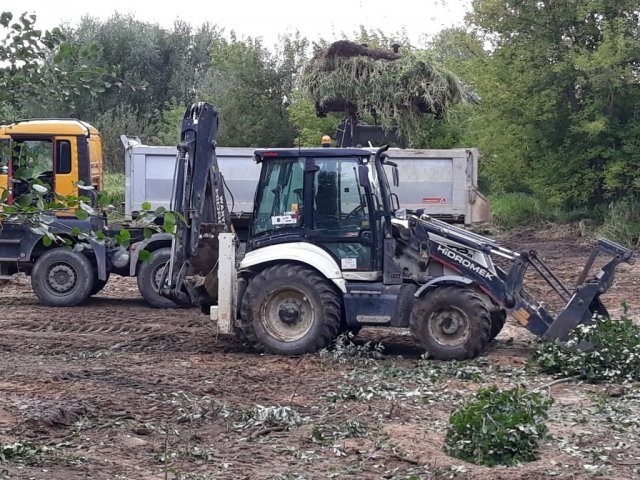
[[33, 158], [279, 196], [63, 157], [340, 205]]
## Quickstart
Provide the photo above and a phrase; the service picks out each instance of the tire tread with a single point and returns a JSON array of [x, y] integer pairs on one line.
[[329, 299]]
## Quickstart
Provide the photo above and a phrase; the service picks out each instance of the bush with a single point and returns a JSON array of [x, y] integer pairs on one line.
[[112, 124], [615, 354], [498, 427], [511, 210], [114, 187], [623, 222]]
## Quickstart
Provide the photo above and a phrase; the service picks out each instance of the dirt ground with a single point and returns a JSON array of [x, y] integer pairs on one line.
[[116, 390]]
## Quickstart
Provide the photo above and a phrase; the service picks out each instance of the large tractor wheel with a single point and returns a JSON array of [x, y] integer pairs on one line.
[[149, 277], [498, 318], [451, 323], [62, 277], [290, 310]]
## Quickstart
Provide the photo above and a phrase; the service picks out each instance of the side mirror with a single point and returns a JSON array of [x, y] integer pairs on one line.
[[395, 174], [363, 176]]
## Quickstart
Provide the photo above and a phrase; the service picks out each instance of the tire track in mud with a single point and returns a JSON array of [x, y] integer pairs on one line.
[[121, 325], [64, 327]]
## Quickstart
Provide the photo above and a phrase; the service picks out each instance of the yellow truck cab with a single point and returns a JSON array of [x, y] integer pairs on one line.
[[61, 152]]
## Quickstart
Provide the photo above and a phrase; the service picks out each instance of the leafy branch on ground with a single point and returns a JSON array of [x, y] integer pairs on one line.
[[344, 349], [498, 427], [614, 355], [270, 417], [25, 451], [38, 207]]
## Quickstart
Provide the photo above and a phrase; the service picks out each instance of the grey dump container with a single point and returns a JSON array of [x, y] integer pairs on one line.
[[149, 175], [442, 182]]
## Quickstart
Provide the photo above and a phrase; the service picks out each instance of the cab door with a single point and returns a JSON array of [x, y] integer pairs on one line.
[[341, 214]]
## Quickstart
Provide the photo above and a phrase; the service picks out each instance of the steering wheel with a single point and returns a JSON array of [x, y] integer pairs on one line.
[[356, 215]]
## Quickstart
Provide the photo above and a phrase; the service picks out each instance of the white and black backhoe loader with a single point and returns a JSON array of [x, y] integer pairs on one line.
[[328, 250]]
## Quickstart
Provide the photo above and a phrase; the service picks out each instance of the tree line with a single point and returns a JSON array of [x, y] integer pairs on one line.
[[558, 81]]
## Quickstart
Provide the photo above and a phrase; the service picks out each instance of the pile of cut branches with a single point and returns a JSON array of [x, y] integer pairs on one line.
[[398, 90]]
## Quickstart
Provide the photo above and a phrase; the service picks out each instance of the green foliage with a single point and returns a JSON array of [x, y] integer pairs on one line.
[[32, 66], [113, 187], [623, 222], [250, 86], [615, 354], [344, 349], [498, 427], [168, 127], [511, 210], [24, 451], [274, 417], [400, 92], [559, 90], [309, 127], [115, 122], [38, 206]]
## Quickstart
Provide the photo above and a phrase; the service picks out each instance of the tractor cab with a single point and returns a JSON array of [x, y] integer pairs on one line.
[[335, 198]]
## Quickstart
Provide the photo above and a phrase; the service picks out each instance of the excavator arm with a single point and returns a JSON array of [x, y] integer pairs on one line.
[[198, 200]]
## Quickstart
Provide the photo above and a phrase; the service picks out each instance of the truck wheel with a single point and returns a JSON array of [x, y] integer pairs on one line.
[[149, 275], [62, 278], [99, 284], [290, 310], [451, 323], [498, 317]]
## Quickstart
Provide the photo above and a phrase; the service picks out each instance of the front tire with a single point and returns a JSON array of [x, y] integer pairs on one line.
[[451, 323], [149, 275], [62, 278], [290, 310]]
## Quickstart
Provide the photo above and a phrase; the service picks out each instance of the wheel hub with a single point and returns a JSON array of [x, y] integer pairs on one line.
[[157, 276], [289, 313], [61, 277], [449, 327]]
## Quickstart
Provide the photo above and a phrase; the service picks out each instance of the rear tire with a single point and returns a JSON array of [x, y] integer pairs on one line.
[[62, 278], [149, 274], [498, 318], [451, 323], [289, 310]]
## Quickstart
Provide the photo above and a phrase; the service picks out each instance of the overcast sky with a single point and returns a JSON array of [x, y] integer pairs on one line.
[[265, 18]]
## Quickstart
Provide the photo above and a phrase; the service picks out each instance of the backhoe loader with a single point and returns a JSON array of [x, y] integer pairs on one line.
[[328, 250]]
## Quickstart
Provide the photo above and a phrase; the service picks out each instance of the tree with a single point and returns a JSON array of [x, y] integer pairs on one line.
[[32, 66], [560, 94], [308, 126], [251, 88]]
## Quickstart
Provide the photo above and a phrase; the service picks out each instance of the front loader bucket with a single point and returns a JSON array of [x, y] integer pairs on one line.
[[585, 302]]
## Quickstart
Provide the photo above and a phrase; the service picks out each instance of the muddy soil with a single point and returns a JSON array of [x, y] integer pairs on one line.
[[114, 389]]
